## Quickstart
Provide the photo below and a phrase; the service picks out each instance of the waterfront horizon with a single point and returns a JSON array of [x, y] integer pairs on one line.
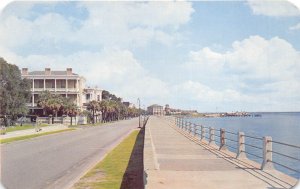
[[281, 126]]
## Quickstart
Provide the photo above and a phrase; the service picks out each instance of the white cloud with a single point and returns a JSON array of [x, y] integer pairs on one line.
[[204, 93], [295, 27], [49, 28], [273, 8], [149, 14], [135, 24], [255, 57], [254, 69]]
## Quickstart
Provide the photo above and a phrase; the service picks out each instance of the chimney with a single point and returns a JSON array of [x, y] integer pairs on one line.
[[24, 71], [69, 71], [47, 71]]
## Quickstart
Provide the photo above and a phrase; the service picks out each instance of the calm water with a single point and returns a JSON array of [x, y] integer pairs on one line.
[[283, 127]]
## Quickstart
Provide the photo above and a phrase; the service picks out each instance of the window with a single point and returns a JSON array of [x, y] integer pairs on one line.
[[88, 96]]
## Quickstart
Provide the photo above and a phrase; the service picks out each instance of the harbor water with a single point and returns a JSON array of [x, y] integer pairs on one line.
[[282, 127]]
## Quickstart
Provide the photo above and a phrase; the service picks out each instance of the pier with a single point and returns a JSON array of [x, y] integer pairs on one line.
[[178, 155]]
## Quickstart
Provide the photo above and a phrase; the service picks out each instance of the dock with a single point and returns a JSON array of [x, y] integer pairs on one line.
[[176, 158]]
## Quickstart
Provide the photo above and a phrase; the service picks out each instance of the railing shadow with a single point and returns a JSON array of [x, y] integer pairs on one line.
[[133, 176]]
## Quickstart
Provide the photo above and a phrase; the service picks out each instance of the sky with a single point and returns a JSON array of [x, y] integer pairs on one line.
[[209, 56]]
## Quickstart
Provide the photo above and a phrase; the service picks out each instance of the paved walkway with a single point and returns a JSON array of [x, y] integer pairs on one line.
[[33, 131], [174, 159]]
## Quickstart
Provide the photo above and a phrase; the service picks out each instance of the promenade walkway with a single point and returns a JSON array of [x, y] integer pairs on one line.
[[174, 159]]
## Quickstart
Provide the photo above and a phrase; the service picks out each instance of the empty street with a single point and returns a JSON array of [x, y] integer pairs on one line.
[[56, 161]]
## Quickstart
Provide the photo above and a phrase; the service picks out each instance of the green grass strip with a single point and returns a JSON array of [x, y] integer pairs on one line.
[[8, 140], [108, 173]]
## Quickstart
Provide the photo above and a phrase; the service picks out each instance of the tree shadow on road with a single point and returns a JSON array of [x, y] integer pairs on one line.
[[133, 176]]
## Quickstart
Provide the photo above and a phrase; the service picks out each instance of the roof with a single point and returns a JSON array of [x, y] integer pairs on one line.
[[155, 105], [52, 73]]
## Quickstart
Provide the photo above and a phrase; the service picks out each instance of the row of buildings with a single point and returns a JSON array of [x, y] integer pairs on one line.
[[71, 85], [65, 83], [159, 110]]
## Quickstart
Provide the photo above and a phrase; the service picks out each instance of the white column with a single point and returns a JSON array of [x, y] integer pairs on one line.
[[32, 100], [66, 85], [32, 85], [77, 87], [44, 84], [55, 85], [77, 100]]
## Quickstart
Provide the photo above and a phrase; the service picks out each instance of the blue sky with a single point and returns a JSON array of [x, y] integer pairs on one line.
[[225, 56]]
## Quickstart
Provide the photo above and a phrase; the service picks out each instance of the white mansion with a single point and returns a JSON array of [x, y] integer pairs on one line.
[[65, 83]]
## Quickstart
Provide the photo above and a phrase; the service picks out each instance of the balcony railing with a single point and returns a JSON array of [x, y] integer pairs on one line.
[[30, 104], [60, 89], [57, 89], [37, 89], [73, 90]]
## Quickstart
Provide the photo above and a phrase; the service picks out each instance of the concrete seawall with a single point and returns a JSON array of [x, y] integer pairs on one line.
[[175, 159]]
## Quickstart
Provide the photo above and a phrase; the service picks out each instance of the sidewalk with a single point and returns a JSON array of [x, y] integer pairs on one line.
[[33, 131], [174, 159]]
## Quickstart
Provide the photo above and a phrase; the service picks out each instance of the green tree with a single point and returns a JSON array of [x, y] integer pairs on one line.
[[51, 103], [104, 109], [14, 91], [105, 95], [70, 109], [93, 106]]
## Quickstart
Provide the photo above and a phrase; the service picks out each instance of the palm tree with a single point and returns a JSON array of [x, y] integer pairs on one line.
[[70, 109], [123, 111], [104, 109], [50, 102], [93, 106], [43, 100], [55, 104]]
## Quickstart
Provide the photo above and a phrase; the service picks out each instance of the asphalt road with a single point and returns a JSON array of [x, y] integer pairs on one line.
[[56, 161]]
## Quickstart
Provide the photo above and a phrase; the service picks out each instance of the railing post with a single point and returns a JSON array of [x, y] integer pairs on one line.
[[195, 129], [241, 146], [267, 153], [202, 133], [211, 136], [222, 140], [190, 127], [187, 126], [181, 123]]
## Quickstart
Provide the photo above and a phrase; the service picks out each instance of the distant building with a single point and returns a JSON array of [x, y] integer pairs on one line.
[[167, 109], [64, 83], [91, 94], [128, 104], [155, 110]]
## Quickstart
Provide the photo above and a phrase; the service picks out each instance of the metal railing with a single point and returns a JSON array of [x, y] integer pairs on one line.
[[209, 133]]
